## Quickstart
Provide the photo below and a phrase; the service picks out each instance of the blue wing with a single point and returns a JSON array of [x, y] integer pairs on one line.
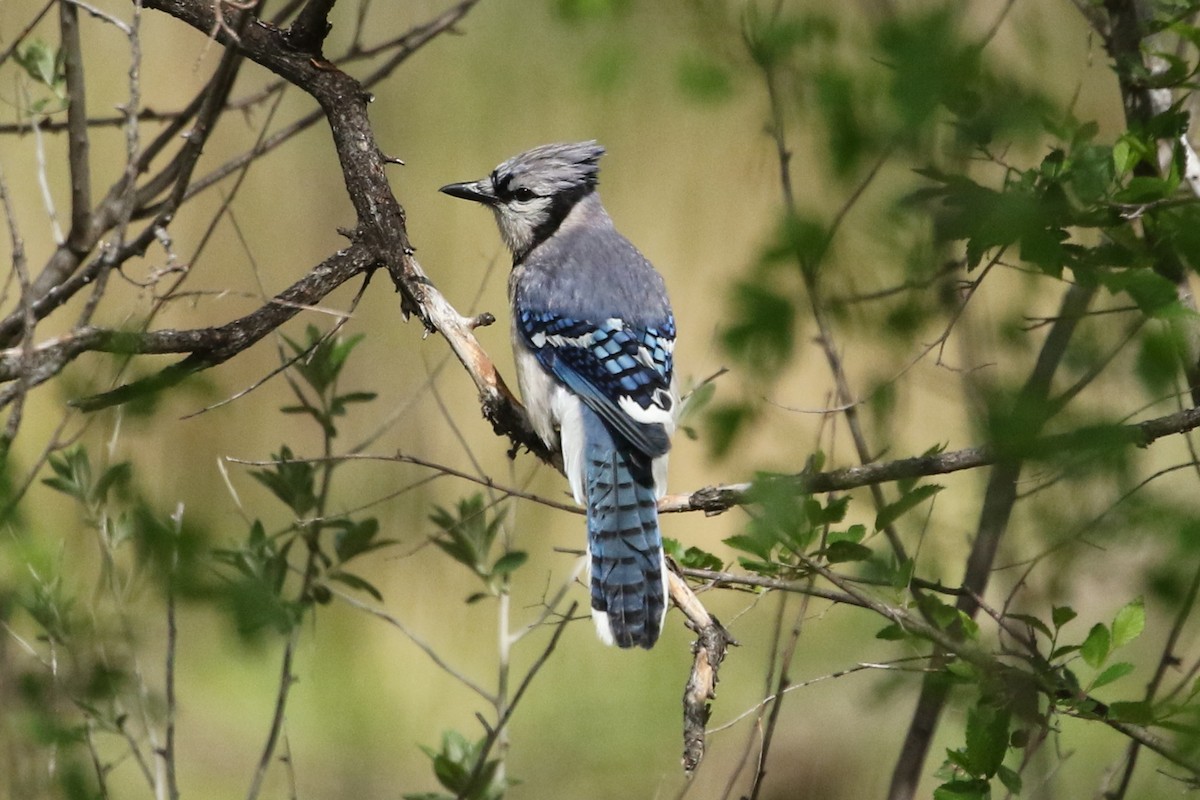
[[620, 370]]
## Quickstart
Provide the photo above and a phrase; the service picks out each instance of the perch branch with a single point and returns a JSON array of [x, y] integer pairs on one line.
[[718, 499], [708, 652]]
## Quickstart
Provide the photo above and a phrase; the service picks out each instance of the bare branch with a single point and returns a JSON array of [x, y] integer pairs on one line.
[[708, 651], [844, 394], [77, 132], [207, 346], [311, 26], [421, 644], [717, 499], [999, 498]]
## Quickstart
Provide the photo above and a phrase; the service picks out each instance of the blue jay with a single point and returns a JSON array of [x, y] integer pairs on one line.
[[593, 335]]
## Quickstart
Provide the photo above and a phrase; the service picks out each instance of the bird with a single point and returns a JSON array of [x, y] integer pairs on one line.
[[593, 338]]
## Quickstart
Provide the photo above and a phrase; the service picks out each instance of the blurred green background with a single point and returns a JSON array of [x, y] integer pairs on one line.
[[691, 177]]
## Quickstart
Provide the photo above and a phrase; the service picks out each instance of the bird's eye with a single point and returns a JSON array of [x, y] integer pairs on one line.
[[524, 194]]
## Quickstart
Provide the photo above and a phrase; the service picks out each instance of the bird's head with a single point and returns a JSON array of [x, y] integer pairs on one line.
[[532, 193]]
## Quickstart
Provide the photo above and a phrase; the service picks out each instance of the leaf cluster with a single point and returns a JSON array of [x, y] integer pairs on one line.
[[1007, 714], [259, 590], [788, 529], [457, 769], [467, 534], [319, 360], [45, 65]]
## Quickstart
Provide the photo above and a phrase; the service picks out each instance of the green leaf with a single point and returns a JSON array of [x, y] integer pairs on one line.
[[703, 78], [257, 608], [892, 633], [1136, 713], [1034, 623], [1111, 673], [1066, 649], [1061, 615], [691, 557], [891, 512], [781, 518], [356, 538], [457, 767], [322, 357], [1124, 156], [355, 582], [834, 511], [801, 241], [761, 334], [937, 612], [290, 481], [755, 545], [855, 533], [843, 551], [467, 533], [963, 790], [509, 562], [356, 397], [1145, 189], [72, 474], [42, 62], [987, 738], [723, 424], [1096, 646], [116, 476], [848, 138], [770, 38], [900, 575], [1010, 778], [1152, 293], [1129, 623]]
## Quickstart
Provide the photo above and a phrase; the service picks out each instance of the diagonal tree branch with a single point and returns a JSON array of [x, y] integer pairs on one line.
[[380, 218], [1031, 409]]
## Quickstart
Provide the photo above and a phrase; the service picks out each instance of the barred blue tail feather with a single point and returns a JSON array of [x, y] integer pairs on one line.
[[627, 578]]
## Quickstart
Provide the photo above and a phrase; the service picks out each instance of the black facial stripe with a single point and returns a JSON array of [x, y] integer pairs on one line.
[[560, 205]]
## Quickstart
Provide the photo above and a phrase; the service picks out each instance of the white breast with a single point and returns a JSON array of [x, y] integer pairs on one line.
[[555, 414]]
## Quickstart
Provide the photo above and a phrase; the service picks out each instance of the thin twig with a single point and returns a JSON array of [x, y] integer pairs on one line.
[[406, 458], [28, 29], [825, 337], [781, 687], [494, 734], [421, 644], [286, 679]]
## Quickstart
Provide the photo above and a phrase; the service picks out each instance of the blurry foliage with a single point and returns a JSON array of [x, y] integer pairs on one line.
[[261, 583], [467, 535], [1001, 175], [43, 63], [258, 588], [455, 766]]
